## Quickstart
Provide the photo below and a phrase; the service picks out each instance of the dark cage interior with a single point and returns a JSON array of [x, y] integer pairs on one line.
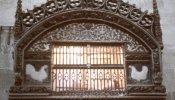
[[88, 49]]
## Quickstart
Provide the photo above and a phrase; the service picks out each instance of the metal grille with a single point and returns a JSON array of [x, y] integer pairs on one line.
[[88, 79], [88, 68], [90, 54]]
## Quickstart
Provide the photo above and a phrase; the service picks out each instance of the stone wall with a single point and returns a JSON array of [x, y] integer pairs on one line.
[[6, 61], [168, 23], [7, 18]]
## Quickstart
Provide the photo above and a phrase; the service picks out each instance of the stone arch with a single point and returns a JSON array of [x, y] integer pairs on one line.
[[49, 23]]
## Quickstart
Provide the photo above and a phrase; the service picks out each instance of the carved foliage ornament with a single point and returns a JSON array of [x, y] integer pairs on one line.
[[145, 89], [87, 32], [20, 89]]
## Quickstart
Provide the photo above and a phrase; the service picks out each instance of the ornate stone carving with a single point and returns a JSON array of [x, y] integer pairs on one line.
[[38, 55], [158, 78], [112, 5], [18, 79], [161, 89], [135, 14], [138, 56], [145, 89], [156, 60], [88, 15], [87, 32], [25, 89], [116, 7], [139, 89], [18, 22], [157, 25], [89, 94]]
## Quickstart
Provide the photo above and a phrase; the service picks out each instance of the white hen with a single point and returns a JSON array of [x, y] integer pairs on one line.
[[139, 75], [37, 75]]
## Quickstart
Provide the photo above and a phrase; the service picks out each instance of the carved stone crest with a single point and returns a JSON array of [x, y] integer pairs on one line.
[[85, 32]]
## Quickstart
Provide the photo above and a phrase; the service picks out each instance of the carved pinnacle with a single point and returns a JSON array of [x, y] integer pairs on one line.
[[155, 8], [18, 22]]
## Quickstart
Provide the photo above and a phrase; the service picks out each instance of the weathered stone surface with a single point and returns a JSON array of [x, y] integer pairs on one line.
[[7, 13], [6, 80]]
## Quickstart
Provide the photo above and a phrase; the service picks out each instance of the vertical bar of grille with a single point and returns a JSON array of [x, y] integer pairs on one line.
[[107, 53], [104, 79], [118, 61], [73, 80], [115, 56], [110, 55], [104, 55], [111, 77], [57, 56], [63, 80], [68, 56], [119, 55], [103, 49], [54, 56], [69, 79], [90, 80], [98, 55], [64, 54], [84, 55], [93, 55], [81, 55], [74, 55], [60, 55], [71, 55], [122, 54], [59, 78], [118, 79]]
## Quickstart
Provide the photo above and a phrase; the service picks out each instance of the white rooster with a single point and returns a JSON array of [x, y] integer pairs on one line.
[[139, 75], [40, 75]]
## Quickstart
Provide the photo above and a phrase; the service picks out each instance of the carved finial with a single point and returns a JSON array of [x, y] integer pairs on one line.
[[157, 27], [18, 22], [19, 8], [155, 7]]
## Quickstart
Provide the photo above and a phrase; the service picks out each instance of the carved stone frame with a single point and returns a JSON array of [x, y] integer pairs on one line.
[[90, 12]]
